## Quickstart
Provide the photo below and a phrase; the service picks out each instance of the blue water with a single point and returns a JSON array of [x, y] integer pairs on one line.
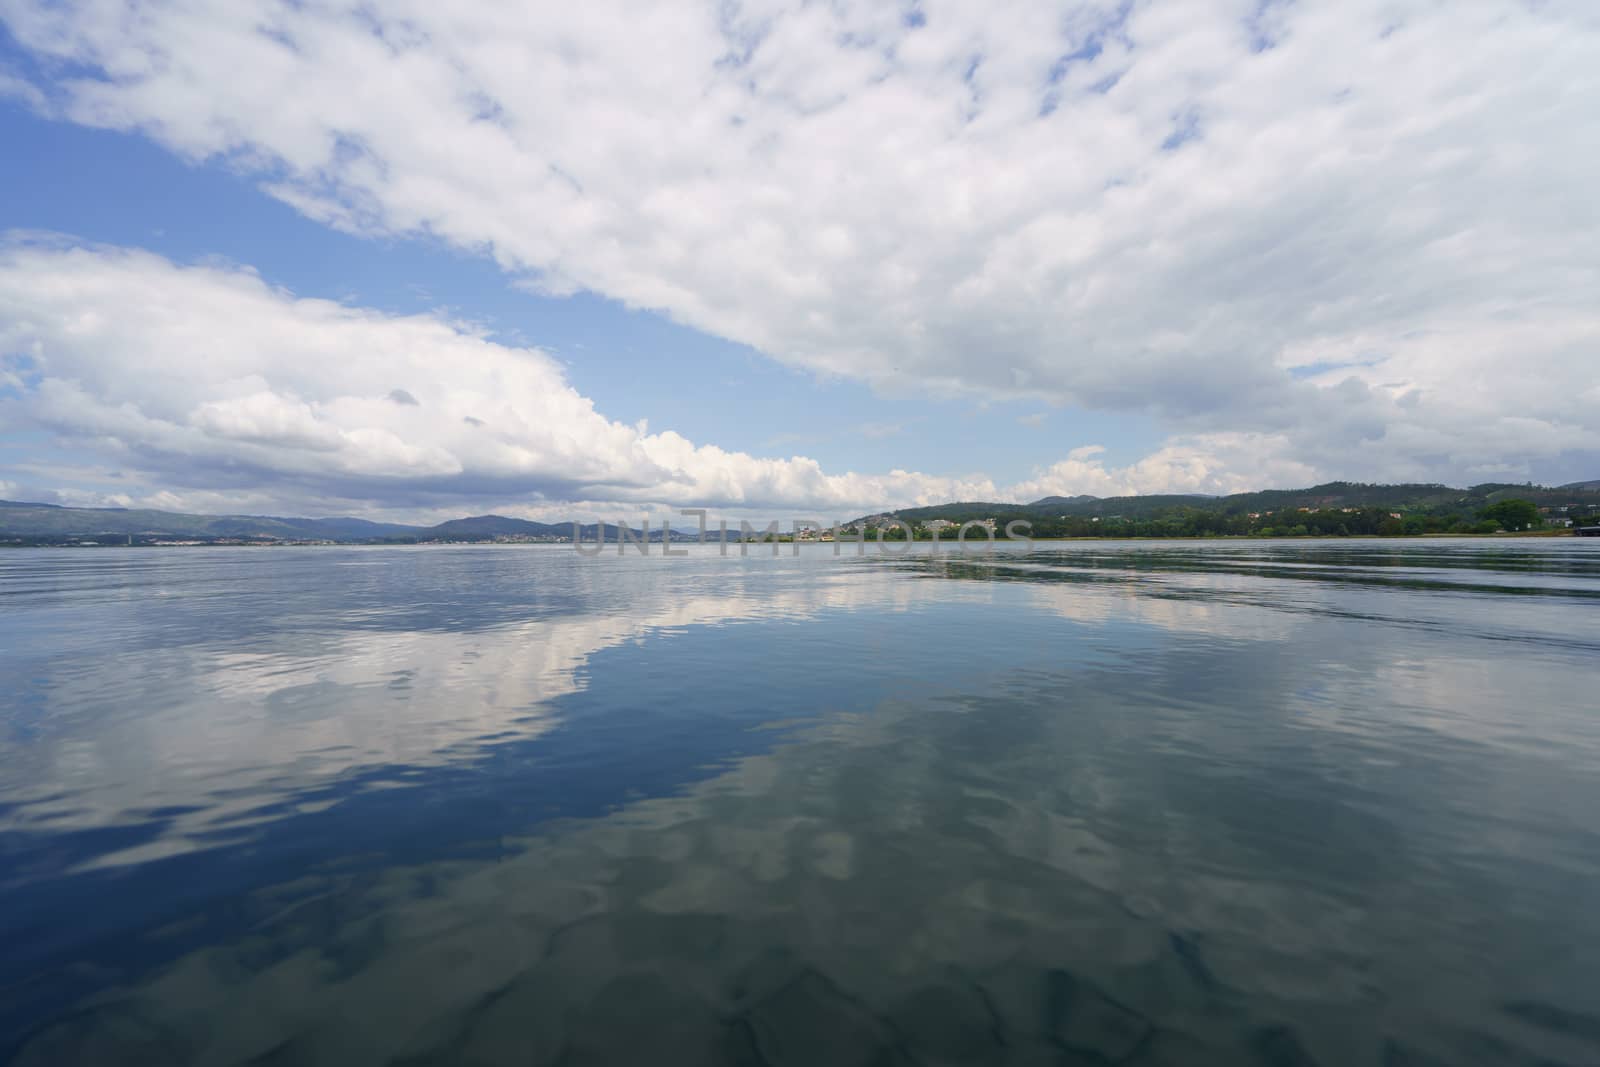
[[1187, 803]]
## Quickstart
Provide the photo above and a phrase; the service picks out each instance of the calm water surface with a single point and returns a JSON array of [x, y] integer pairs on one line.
[[1189, 803]]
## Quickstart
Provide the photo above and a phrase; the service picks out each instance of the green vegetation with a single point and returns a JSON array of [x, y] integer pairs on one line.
[[1337, 509], [1514, 514]]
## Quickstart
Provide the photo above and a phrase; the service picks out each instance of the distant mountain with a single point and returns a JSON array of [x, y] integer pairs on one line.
[[22, 522], [491, 526], [51, 522], [1061, 501], [19, 519], [1407, 497]]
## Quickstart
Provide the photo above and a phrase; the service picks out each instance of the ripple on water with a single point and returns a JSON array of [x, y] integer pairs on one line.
[[1269, 805]]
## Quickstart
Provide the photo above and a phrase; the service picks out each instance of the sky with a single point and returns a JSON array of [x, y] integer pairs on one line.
[[420, 260]]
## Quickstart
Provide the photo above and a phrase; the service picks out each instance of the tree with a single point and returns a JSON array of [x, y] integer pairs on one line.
[[1514, 514]]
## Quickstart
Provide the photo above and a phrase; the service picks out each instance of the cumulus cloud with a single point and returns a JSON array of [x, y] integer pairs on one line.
[[208, 381], [207, 377], [1358, 232], [1201, 463]]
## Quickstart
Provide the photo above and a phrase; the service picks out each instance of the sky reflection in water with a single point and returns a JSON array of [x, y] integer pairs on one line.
[[1199, 803]]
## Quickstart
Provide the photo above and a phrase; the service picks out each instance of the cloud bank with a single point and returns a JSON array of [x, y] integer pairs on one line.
[[207, 378], [1346, 239]]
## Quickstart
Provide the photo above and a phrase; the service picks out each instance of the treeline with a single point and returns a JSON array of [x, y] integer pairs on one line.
[[1440, 503], [1195, 522], [1187, 520]]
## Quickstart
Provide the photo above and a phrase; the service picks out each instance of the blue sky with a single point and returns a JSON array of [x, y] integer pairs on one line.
[[870, 261], [113, 188]]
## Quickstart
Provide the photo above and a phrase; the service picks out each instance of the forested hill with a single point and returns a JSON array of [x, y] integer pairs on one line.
[[48, 524], [1334, 508], [1349, 507]]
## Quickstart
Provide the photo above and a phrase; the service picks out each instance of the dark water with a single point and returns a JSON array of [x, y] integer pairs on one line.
[[1201, 803]]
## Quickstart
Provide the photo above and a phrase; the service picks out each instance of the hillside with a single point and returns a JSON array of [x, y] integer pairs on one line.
[[1412, 497], [22, 522], [491, 526], [19, 519], [1331, 508], [1335, 507]]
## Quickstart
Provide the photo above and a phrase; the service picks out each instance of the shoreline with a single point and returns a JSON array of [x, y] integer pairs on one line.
[[973, 544]]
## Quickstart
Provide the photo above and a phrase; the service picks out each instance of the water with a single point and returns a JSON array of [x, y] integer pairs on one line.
[[1186, 803]]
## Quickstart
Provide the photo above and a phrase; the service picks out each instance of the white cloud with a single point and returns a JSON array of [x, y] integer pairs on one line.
[[206, 377], [1217, 463], [1182, 208], [206, 389], [20, 89]]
